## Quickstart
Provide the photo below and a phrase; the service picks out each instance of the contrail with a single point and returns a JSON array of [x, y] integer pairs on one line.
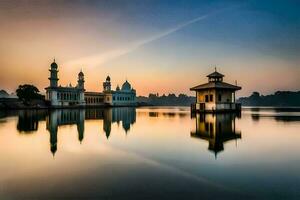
[[98, 59]]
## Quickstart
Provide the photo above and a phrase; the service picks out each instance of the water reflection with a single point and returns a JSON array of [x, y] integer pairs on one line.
[[216, 129], [56, 118], [28, 120], [160, 158], [278, 114], [168, 113], [125, 115]]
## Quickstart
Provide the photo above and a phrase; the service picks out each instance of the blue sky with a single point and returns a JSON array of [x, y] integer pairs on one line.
[[160, 46]]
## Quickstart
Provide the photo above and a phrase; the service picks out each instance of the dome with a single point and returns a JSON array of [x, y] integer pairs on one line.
[[118, 88], [126, 86], [107, 78], [54, 65]]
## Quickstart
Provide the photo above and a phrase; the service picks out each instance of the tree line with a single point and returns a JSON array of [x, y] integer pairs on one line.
[[166, 100], [279, 98]]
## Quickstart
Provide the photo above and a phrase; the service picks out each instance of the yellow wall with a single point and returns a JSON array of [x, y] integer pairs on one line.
[[201, 95], [226, 96]]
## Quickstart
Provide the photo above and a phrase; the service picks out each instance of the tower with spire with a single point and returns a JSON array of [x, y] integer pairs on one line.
[[60, 96], [80, 81], [64, 96], [53, 74], [107, 85]]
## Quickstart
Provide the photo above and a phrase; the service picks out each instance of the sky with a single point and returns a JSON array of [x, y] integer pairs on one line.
[[159, 46]]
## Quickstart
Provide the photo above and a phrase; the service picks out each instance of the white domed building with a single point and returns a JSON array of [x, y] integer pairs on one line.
[[59, 96], [126, 96]]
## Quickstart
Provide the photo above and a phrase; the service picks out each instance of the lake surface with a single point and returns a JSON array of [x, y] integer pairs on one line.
[[150, 153]]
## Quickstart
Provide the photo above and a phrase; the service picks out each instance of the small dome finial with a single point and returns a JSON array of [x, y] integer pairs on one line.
[[81, 73], [54, 65]]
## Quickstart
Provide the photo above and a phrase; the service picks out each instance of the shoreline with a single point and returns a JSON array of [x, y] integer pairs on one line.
[[245, 108]]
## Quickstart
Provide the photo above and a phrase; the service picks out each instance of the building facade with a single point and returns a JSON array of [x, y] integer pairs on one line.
[[59, 96], [126, 96], [94, 98], [216, 95]]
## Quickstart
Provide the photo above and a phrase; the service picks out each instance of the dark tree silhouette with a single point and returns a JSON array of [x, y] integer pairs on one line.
[[166, 100], [27, 93], [279, 98]]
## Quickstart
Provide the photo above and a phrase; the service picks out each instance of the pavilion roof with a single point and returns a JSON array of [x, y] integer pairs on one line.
[[215, 74], [216, 85]]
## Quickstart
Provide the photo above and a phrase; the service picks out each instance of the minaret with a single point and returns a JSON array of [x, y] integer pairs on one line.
[[81, 80], [80, 86], [53, 74], [107, 85]]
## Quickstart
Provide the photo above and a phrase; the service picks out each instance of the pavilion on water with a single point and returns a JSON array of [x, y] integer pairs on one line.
[[216, 95]]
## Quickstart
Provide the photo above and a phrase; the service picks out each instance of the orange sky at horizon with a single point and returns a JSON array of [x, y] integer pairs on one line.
[[149, 82]]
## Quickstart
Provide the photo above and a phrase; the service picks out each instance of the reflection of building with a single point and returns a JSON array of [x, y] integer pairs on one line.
[[216, 129], [56, 118], [64, 117], [28, 120], [107, 121], [215, 95], [64, 96], [125, 115]]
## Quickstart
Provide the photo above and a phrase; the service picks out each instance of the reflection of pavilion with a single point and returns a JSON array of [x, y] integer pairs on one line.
[[63, 117], [216, 129]]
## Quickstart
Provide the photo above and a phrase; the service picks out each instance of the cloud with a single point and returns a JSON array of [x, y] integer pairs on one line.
[[98, 59]]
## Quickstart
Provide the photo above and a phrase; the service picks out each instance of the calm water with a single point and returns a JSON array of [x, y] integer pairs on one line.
[[149, 153]]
